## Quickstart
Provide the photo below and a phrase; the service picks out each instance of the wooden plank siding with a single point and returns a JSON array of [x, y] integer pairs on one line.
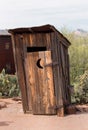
[[44, 88], [19, 63], [6, 54], [42, 83]]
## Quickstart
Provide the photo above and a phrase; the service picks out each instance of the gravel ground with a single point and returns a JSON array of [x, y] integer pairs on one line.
[[13, 118]]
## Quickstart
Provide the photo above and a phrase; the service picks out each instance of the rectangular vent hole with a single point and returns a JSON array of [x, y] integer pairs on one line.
[[35, 49]]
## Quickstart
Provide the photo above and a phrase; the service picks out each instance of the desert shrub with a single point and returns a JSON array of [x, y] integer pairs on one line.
[[8, 85], [81, 89], [78, 55]]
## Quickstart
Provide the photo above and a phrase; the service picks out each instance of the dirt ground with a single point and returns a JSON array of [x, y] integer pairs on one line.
[[13, 118]]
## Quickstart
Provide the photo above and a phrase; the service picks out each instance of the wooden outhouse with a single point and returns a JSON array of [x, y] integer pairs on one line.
[[42, 65], [6, 53]]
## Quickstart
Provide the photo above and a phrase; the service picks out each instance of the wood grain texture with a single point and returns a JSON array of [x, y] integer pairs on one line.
[[41, 83], [43, 75], [19, 60]]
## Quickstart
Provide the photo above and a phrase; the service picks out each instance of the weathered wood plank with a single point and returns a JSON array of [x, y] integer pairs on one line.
[[31, 80], [50, 84], [26, 66], [57, 75], [19, 58], [41, 83]]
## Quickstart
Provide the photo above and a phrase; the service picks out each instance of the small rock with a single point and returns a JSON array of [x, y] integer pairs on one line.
[[71, 109], [16, 98], [3, 105], [19, 102]]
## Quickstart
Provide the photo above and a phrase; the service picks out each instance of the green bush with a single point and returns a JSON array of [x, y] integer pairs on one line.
[[81, 89], [78, 53], [78, 56], [8, 85]]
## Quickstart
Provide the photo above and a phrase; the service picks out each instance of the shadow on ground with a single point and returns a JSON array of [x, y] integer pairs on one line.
[[5, 123]]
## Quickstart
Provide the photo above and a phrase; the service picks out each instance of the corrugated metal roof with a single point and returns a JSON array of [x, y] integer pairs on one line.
[[37, 29], [4, 32]]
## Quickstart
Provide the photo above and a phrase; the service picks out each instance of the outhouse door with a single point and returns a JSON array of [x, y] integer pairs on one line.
[[41, 82]]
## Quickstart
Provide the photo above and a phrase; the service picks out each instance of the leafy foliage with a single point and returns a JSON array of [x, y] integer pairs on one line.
[[8, 85], [78, 54], [81, 89]]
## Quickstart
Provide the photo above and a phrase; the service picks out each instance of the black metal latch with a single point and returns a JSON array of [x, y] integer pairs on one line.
[[51, 64]]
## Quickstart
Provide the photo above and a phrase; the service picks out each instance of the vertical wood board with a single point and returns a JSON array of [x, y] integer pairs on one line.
[[41, 83]]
